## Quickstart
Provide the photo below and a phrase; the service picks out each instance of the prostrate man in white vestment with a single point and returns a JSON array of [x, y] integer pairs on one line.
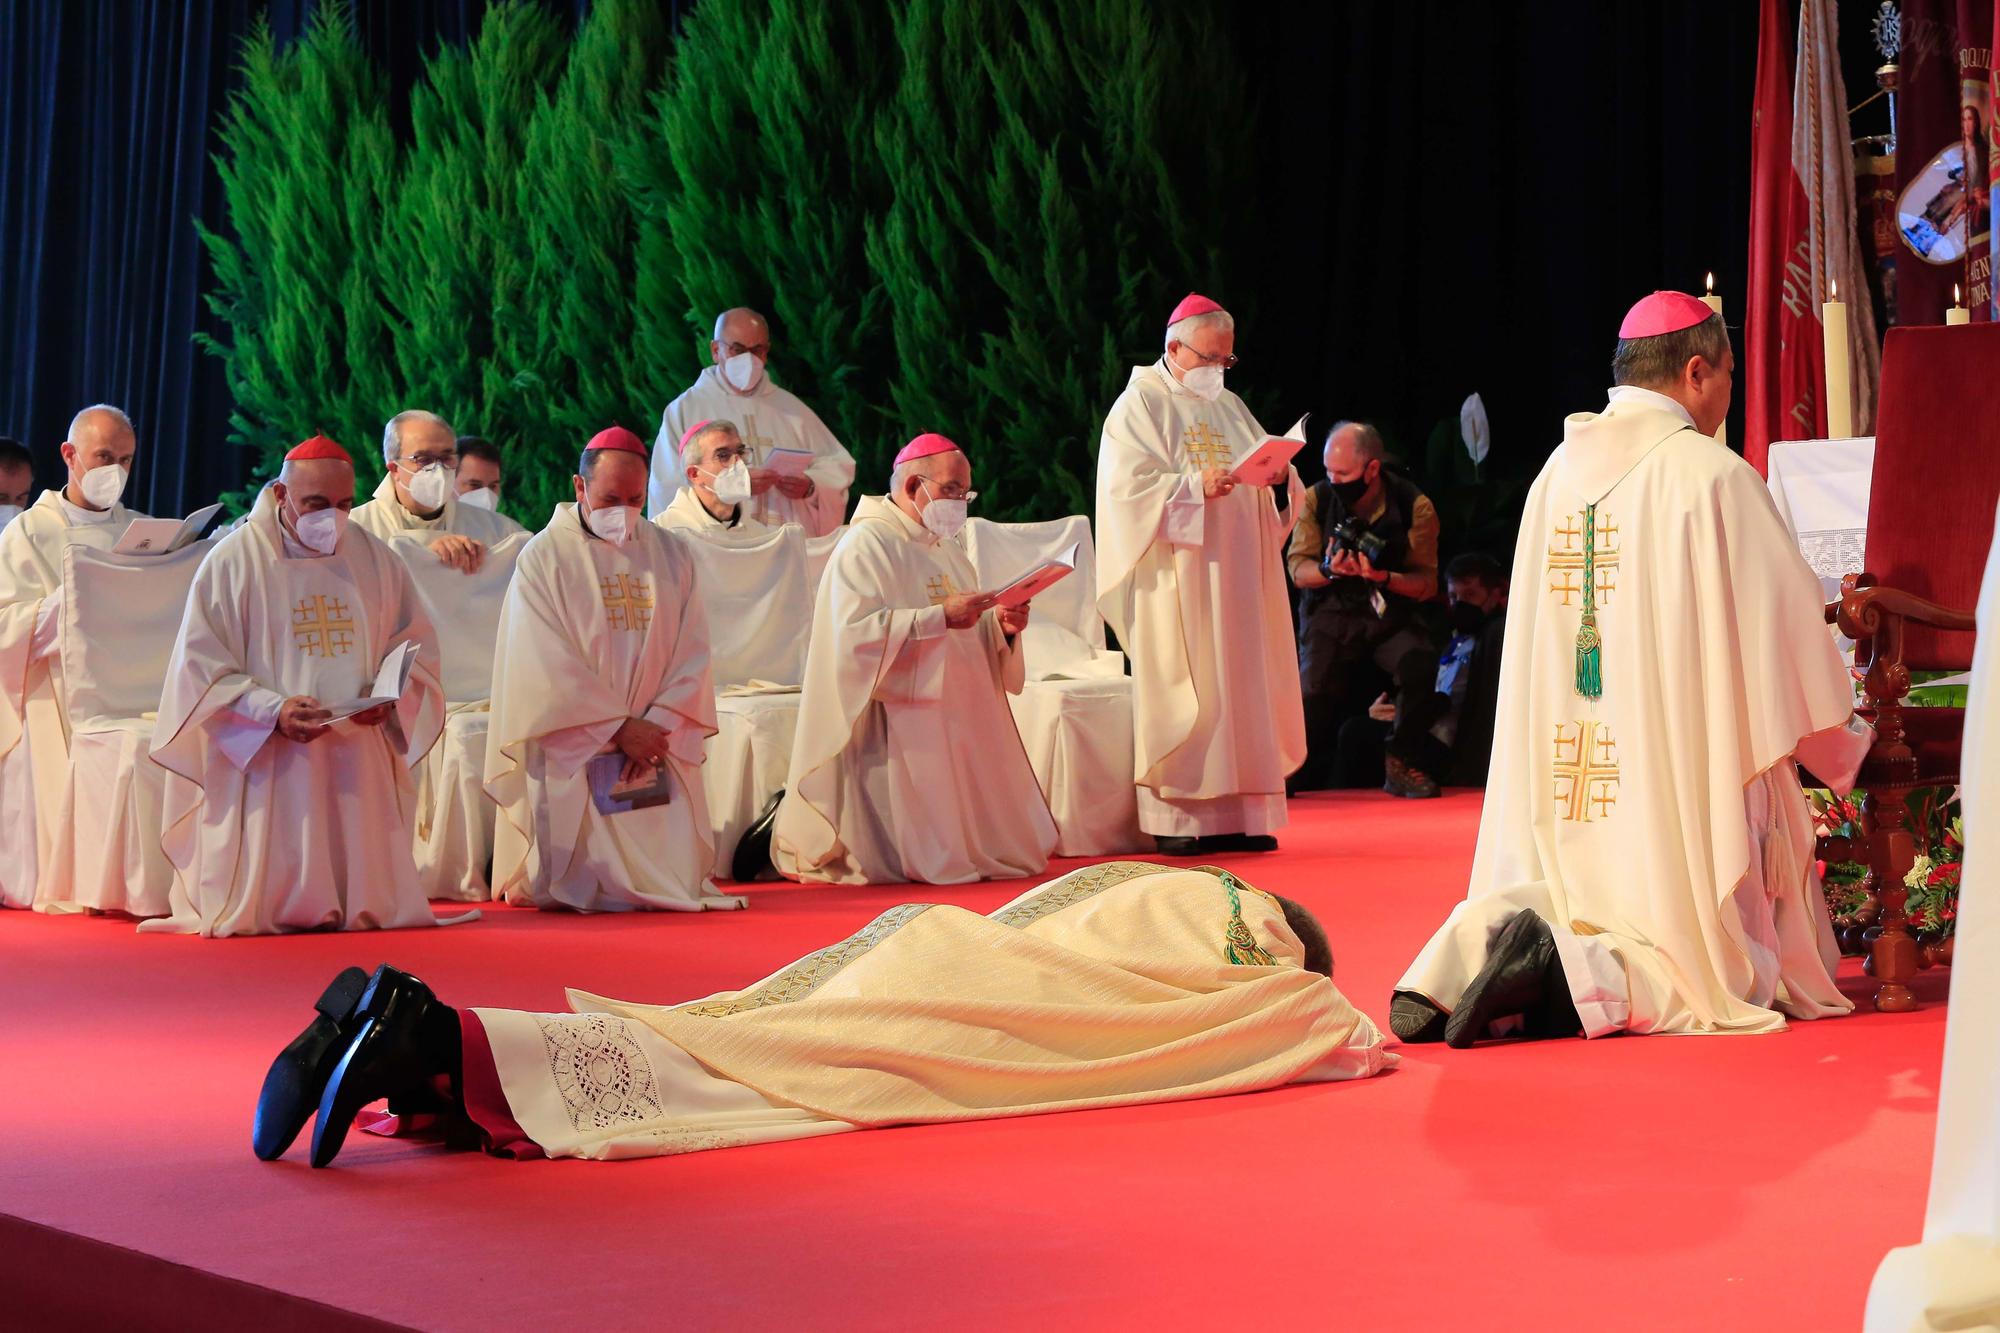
[[603, 650], [1645, 857], [278, 815], [907, 766], [1190, 579], [34, 737], [1113, 985], [480, 475], [737, 389], [417, 496], [715, 499]]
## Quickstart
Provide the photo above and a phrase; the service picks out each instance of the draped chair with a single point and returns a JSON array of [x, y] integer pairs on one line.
[[1075, 713], [455, 817], [1930, 522], [120, 617], [818, 551], [757, 591]]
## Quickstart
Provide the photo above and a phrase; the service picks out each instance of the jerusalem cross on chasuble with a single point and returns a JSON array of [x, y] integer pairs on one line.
[[1206, 448], [628, 601]]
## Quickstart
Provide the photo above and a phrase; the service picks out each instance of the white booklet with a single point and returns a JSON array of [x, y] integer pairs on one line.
[[1266, 463], [161, 536], [390, 682], [1037, 580], [790, 462]]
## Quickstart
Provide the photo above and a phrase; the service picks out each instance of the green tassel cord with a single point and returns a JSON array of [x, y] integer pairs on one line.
[[1589, 645], [1239, 945]]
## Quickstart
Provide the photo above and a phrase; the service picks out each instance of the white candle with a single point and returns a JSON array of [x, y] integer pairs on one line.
[[1839, 372], [1714, 303], [1957, 314]]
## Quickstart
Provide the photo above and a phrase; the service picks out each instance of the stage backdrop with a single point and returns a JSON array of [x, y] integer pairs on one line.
[[964, 216]]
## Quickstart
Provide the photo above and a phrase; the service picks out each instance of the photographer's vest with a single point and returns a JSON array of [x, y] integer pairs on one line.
[[1350, 598]]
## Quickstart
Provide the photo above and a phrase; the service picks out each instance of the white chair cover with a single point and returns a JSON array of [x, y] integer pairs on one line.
[[455, 817], [759, 600], [1075, 713], [818, 550], [120, 617]]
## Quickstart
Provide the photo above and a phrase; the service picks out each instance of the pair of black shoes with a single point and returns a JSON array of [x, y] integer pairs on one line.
[[752, 860], [1216, 842], [376, 1036], [1523, 975]]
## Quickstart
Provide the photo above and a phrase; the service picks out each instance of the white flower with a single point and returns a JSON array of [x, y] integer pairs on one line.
[[1919, 873]]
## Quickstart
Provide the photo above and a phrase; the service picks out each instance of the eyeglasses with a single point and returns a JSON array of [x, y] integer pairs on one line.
[[449, 462], [730, 453], [762, 351], [950, 490], [1227, 362]]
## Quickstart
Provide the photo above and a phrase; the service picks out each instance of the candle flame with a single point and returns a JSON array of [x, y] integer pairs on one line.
[[1711, 284], [1834, 293], [1954, 294]]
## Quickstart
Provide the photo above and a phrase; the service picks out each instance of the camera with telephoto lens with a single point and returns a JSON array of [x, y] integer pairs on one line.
[[1352, 534]]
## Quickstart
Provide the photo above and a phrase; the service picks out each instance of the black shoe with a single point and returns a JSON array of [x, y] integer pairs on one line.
[[1236, 842], [1414, 1019], [1256, 842], [1407, 780], [296, 1078], [752, 860], [1521, 972], [1176, 846], [408, 1040]]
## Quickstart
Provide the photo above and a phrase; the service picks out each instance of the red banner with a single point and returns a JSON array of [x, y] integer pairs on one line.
[[1944, 152], [1781, 339]]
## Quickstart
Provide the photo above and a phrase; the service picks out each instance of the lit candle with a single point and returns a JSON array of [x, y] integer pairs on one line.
[[1714, 303], [1839, 371], [1958, 314]]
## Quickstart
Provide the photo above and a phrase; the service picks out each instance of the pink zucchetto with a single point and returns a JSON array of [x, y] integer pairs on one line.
[[1194, 303], [930, 442], [1663, 312], [694, 430], [616, 437]]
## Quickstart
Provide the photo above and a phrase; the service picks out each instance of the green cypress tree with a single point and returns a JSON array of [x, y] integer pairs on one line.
[[307, 166], [756, 178], [1061, 171], [564, 342], [456, 218]]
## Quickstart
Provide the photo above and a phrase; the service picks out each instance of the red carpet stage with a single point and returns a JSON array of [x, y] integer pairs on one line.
[[1711, 1183]]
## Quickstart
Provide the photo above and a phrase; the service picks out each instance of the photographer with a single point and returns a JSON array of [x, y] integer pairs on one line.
[[1363, 555]]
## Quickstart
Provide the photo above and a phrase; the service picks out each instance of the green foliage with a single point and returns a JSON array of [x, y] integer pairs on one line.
[[307, 170], [962, 215], [757, 178], [1037, 227]]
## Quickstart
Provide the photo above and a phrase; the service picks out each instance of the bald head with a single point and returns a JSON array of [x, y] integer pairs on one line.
[[99, 436], [741, 324], [743, 336], [1354, 443]]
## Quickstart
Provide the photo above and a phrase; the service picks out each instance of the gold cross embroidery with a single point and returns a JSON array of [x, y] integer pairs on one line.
[[321, 626], [753, 441], [1205, 448], [1586, 772], [939, 587], [1566, 558], [628, 602]]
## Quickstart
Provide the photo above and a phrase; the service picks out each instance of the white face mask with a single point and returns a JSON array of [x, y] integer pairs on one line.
[[614, 523], [483, 498], [732, 484], [429, 487], [8, 513], [101, 486], [1204, 382], [743, 371], [944, 518], [320, 530]]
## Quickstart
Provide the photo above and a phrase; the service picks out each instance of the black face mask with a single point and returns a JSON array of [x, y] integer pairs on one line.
[[1465, 618], [1350, 492]]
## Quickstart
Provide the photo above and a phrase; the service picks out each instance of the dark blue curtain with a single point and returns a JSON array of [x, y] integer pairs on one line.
[[107, 116]]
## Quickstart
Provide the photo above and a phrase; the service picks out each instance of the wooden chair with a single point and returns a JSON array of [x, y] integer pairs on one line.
[[1930, 522]]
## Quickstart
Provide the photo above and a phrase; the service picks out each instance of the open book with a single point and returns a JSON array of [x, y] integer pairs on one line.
[[161, 536], [789, 462], [1037, 580], [1266, 463], [614, 796], [389, 682]]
